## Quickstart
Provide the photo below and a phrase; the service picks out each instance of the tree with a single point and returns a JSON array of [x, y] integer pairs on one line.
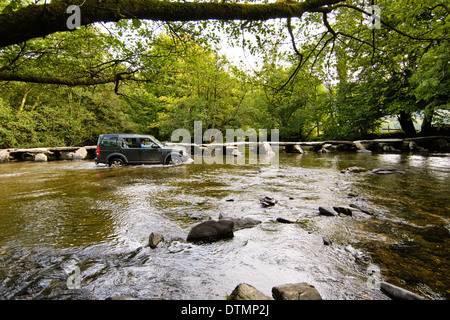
[[194, 84], [390, 68], [430, 85]]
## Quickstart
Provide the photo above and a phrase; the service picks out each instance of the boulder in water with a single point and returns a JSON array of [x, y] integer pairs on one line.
[[286, 220], [343, 210], [211, 230], [154, 239], [247, 292], [327, 211], [296, 291], [241, 223], [398, 293]]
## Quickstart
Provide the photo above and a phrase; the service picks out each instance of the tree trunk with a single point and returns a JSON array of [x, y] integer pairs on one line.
[[406, 123], [427, 120], [24, 100]]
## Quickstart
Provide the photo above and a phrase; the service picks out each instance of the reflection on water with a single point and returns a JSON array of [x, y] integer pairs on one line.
[[58, 215]]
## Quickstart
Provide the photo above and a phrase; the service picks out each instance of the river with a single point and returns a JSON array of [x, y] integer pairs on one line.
[[74, 230]]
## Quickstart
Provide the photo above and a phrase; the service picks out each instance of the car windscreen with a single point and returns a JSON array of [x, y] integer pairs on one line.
[[158, 142]]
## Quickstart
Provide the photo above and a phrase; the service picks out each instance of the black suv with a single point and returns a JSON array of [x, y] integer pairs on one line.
[[118, 150]]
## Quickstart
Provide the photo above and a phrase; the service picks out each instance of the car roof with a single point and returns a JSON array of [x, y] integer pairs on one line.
[[127, 135]]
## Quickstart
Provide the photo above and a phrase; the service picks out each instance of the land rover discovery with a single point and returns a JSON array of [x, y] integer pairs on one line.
[[118, 150]]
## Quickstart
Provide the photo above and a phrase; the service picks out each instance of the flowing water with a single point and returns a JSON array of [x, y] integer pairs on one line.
[[74, 230]]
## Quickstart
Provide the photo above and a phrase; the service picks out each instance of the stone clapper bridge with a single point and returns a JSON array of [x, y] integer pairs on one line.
[[48, 154], [417, 144]]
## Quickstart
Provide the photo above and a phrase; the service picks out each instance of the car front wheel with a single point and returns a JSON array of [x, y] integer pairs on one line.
[[174, 159]]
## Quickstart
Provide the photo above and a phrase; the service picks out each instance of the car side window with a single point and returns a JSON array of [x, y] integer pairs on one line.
[[130, 143], [146, 143], [108, 142]]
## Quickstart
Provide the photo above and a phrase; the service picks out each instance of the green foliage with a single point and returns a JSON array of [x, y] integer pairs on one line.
[[60, 117]]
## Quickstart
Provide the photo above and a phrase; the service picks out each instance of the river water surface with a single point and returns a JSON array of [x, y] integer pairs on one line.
[[74, 230]]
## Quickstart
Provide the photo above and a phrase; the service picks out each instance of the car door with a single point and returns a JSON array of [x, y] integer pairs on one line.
[[150, 151], [131, 149]]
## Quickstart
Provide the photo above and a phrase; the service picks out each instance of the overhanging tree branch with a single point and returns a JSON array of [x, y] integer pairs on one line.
[[40, 20], [10, 76]]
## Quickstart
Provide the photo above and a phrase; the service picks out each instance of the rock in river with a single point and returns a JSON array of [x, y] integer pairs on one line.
[[286, 220], [241, 223], [296, 291], [386, 171], [247, 292], [267, 201], [354, 170], [154, 239], [343, 210], [211, 230], [327, 211], [399, 293]]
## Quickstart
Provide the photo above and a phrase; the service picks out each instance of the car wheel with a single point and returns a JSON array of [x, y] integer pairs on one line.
[[116, 162], [174, 159]]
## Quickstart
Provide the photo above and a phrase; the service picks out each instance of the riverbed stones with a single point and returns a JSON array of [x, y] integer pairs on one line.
[[327, 211], [434, 233], [267, 201], [359, 208], [360, 215], [241, 223], [296, 291], [286, 220], [247, 292], [154, 239], [398, 293], [343, 210], [211, 230], [354, 170], [356, 212], [290, 291], [386, 171]]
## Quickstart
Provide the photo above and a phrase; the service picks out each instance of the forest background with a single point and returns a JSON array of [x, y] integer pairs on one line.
[[324, 76]]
